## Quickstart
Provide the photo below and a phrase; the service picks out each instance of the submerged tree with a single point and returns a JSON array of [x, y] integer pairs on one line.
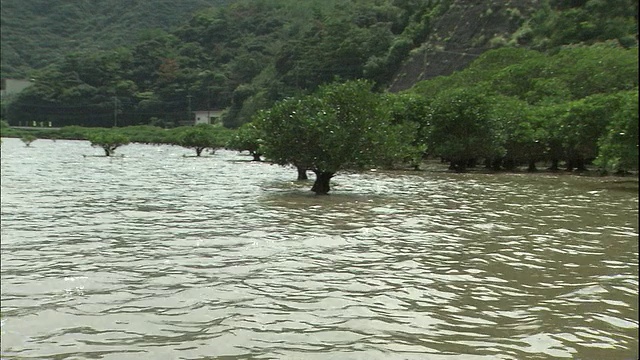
[[108, 140], [339, 127], [618, 146], [461, 128], [202, 136], [583, 122], [520, 133], [247, 137], [28, 139], [409, 115]]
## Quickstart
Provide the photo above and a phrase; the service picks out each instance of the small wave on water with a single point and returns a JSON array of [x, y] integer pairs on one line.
[[158, 256]]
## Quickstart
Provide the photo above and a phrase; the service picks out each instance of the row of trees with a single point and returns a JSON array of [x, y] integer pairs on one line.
[[570, 106], [510, 107], [327, 133], [575, 108], [348, 126], [198, 138]]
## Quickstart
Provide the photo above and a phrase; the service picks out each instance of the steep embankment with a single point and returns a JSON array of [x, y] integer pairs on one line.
[[464, 30]]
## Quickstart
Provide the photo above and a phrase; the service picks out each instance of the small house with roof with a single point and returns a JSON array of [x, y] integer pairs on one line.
[[213, 117]]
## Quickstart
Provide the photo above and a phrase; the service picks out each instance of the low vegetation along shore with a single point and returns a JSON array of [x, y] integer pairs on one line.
[[347, 126]]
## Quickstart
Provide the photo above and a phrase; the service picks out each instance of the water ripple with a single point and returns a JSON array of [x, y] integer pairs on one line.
[[155, 255]]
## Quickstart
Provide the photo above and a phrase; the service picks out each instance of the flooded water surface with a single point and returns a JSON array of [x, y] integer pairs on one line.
[[158, 255]]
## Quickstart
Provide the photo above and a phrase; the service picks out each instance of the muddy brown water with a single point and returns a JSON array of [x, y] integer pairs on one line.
[[155, 255]]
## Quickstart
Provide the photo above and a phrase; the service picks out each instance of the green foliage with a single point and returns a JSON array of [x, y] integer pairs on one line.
[[244, 57], [461, 127], [382, 67], [341, 126], [544, 106], [584, 122], [28, 139], [410, 114], [584, 22], [43, 32], [600, 68], [202, 136], [248, 137], [10, 133], [519, 132], [566, 104], [618, 145], [108, 140], [40, 133], [74, 133], [146, 134]]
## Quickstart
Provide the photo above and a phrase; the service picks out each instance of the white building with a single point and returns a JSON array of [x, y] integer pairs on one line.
[[13, 86], [212, 117]]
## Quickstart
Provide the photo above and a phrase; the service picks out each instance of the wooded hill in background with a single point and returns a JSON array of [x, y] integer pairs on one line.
[[246, 55], [36, 33]]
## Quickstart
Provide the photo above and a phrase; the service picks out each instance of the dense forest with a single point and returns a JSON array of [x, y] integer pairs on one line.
[[36, 33], [559, 81], [246, 55], [240, 57]]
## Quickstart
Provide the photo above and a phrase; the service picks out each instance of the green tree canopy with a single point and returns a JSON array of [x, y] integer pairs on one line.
[[247, 138], [108, 140], [462, 128], [202, 136], [341, 126], [618, 145]]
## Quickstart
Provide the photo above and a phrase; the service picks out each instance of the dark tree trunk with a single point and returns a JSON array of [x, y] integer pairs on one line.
[[302, 173], [321, 185], [509, 164], [569, 165], [496, 164], [199, 151], [458, 166], [554, 165], [580, 165], [532, 166], [256, 156], [471, 163], [107, 151]]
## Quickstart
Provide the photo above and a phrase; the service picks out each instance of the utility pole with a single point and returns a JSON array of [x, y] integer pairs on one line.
[[189, 116], [209, 104], [115, 111]]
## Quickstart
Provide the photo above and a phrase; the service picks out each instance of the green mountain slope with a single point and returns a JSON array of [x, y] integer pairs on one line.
[[465, 29], [247, 54], [36, 33]]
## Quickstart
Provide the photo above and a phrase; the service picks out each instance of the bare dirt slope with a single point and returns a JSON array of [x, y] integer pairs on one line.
[[464, 31]]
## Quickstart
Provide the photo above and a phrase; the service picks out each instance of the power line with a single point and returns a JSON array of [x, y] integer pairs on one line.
[[53, 106], [454, 52]]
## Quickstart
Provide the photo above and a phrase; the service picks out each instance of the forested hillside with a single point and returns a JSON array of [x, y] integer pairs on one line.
[[36, 33], [466, 29], [247, 55]]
